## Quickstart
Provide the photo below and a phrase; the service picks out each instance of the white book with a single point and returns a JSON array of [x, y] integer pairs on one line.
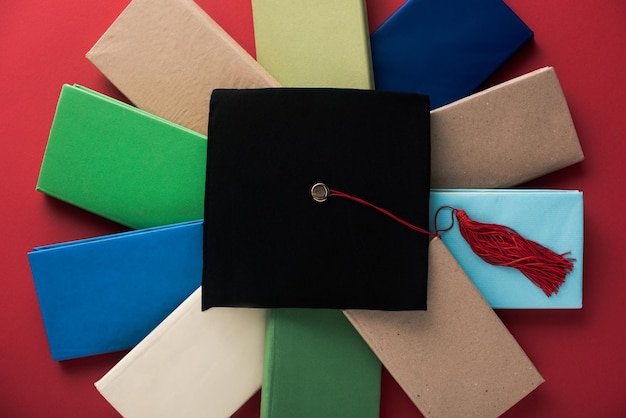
[[194, 364]]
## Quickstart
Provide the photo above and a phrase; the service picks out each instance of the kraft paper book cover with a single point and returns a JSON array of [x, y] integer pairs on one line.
[[166, 56], [506, 135], [457, 359]]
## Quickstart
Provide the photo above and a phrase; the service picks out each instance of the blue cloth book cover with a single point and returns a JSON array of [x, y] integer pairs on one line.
[[106, 294], [445, 48]]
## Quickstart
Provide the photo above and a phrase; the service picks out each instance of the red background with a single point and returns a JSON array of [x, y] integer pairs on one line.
[[579, 352]]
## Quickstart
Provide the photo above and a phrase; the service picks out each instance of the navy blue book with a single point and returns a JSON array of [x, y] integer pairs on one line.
[[445, 48], [106, 294]]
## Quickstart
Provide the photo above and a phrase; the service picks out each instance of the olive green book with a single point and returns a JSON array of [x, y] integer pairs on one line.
[[123, 163], [314, 43]]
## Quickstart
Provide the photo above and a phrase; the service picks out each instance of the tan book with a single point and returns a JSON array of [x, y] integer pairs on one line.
[[506, 135], [167, 56], [457, 359]]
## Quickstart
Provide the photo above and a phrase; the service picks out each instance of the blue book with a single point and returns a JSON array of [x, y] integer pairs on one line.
[[444, 48], [106, 294], [552, 218]]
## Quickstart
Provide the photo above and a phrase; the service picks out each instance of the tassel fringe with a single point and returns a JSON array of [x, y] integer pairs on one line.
[[500, 245]]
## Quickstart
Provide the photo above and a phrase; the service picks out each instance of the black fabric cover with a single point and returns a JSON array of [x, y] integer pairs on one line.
[[268, 244]]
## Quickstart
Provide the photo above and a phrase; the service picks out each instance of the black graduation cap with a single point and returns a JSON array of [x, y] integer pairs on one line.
[[268, 243]]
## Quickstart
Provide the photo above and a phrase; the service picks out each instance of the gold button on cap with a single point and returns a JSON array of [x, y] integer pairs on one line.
[[319, 192]]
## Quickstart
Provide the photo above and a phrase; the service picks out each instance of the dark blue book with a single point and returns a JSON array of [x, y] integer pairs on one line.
[[445, 48]]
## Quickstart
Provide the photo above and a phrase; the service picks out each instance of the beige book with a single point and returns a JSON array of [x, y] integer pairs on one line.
[[457, 359], [167, 56], [194, 364]]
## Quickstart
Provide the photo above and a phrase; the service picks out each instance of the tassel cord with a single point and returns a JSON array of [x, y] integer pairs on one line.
[[497, 245], [385, 211]]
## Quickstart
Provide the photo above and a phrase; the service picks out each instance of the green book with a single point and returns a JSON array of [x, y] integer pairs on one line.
[[122, 163], [314, 43], [317, 365]]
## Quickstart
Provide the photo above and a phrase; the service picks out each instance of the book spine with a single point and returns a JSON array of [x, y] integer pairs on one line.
[[268, 365]]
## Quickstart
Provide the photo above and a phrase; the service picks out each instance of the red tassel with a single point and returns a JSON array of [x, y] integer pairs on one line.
[[502, 246]]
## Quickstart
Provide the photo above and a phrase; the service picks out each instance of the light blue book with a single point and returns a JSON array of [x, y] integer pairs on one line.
[[106, 294], [553, 218]]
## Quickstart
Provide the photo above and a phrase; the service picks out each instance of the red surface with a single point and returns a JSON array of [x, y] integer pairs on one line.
[[579, 352]]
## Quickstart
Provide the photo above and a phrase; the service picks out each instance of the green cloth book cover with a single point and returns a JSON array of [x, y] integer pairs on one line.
[[317, 365], [122, 163]]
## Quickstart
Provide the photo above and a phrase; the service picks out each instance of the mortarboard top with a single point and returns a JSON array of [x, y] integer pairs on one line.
[[267, 243]]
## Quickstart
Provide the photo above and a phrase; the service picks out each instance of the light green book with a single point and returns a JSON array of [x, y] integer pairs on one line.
[[122, 163], [314, 43], [317, 365]]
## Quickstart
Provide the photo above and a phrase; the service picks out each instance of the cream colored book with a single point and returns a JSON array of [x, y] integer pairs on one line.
[[194, 364], [167, 56]]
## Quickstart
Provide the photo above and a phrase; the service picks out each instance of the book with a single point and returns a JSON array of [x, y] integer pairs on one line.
[[445, 48], [194, 363], [457, 359], [269, 244], [166, 56], [314, 43], [317, 365], [553, 218], [506, 135], [105, 294], [122, 163]]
